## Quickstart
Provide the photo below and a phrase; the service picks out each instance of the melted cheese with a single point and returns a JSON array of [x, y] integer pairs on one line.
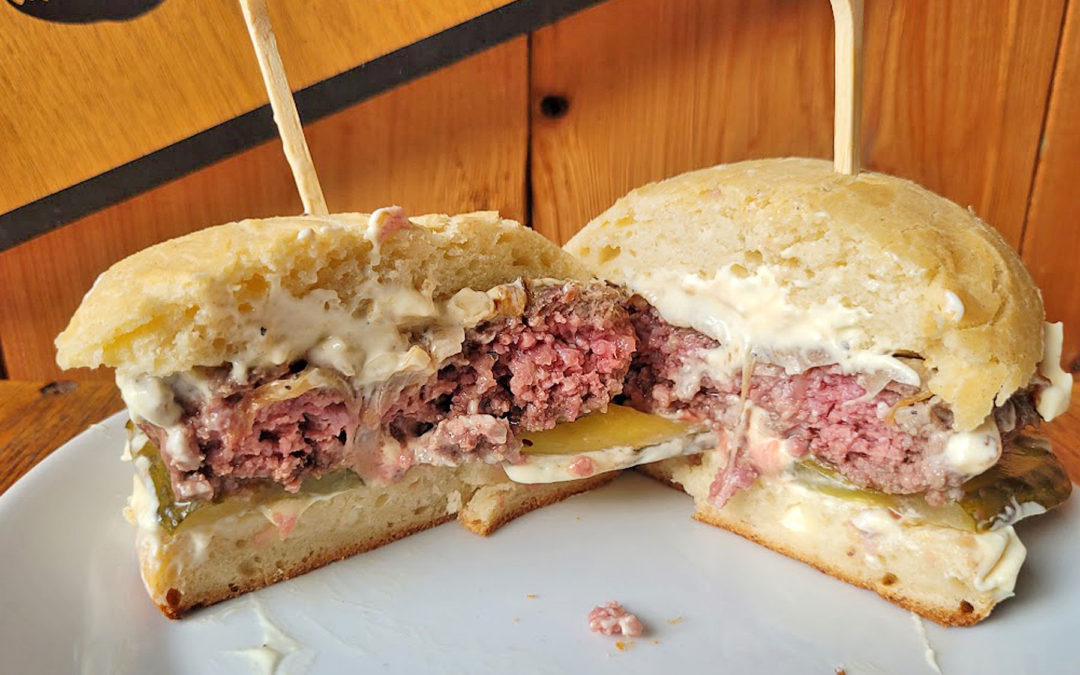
[[749, 313], [554, 468], [618, 426], [1053, 400]]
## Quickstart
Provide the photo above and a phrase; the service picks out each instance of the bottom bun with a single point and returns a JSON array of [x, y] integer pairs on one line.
[[206, 562], [951, 576]]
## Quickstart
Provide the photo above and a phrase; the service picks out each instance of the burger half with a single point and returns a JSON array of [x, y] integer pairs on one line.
[[866, 359], [303, 389]]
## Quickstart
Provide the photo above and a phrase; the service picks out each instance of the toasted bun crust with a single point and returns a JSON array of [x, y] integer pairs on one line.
[[194, 301], [206, 564], [925, 569], [871, 241]]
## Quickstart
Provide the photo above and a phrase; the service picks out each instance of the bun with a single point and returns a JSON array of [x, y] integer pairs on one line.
[[873, 242], [210, 562], [930, 570], [200, 296]]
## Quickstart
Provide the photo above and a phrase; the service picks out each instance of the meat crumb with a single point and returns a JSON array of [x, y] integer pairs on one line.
[[613, 619], [840, 671]]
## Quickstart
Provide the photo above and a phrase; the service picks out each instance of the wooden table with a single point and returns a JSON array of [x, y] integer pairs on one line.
[[38, 417]]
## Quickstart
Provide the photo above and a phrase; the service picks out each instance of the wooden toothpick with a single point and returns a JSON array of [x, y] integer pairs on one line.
[[284, 107], [847, 110]]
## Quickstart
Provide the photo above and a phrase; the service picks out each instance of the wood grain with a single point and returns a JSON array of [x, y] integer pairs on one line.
[[954, 96], [38, 417], [79, 99], [33, 424], [1052, 238], [1064, 434], [453, 141]]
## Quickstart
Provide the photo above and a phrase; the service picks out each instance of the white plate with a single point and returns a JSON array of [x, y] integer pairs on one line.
[[448, 601]]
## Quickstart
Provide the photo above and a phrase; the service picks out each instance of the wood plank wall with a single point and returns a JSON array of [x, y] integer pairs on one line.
[[139, 85], [957, 96], [455, 140], [1052, 239]]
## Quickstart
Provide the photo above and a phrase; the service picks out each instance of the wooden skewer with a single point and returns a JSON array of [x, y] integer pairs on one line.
[[847, 110], [281, 101]]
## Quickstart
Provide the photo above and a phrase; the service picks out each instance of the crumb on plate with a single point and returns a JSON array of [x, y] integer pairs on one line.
[[612, 619]]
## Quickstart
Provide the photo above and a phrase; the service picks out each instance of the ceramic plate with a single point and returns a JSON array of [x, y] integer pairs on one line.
[[448, 601]]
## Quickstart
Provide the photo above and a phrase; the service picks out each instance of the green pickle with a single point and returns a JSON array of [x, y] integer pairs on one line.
[[172, 514], [1027, 472], [619, 426]]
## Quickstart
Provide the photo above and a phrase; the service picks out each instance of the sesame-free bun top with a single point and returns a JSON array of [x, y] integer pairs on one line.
[[228, 292], [924, 276]]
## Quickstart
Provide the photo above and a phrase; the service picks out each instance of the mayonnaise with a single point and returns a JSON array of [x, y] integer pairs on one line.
[[1053, 400], [1000, 556], [954, 307], [973, 452], [149, 399], [875, 521], [750, 314], [366, 351]]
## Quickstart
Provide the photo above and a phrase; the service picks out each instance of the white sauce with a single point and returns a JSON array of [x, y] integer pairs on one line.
[[875, 522], [556, 468], [200, 544], [275, 647], [453, 502], [1001, 555], [368, 350], [973, 452], [149, 399], [928, 652], [954, 306], [1054, 399], [383, 222], [285, 513], [749, 313], [1014, 512], [143, 507], [180, 449], [795, 519], [771, 454]]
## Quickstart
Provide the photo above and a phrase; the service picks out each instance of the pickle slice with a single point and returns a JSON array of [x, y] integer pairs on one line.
[[618, 427], [1028, 472], [827, 481], [172, 514]]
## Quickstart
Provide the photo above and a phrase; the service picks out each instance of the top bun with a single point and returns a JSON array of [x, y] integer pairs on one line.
[[205, 299], [924, 276]]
